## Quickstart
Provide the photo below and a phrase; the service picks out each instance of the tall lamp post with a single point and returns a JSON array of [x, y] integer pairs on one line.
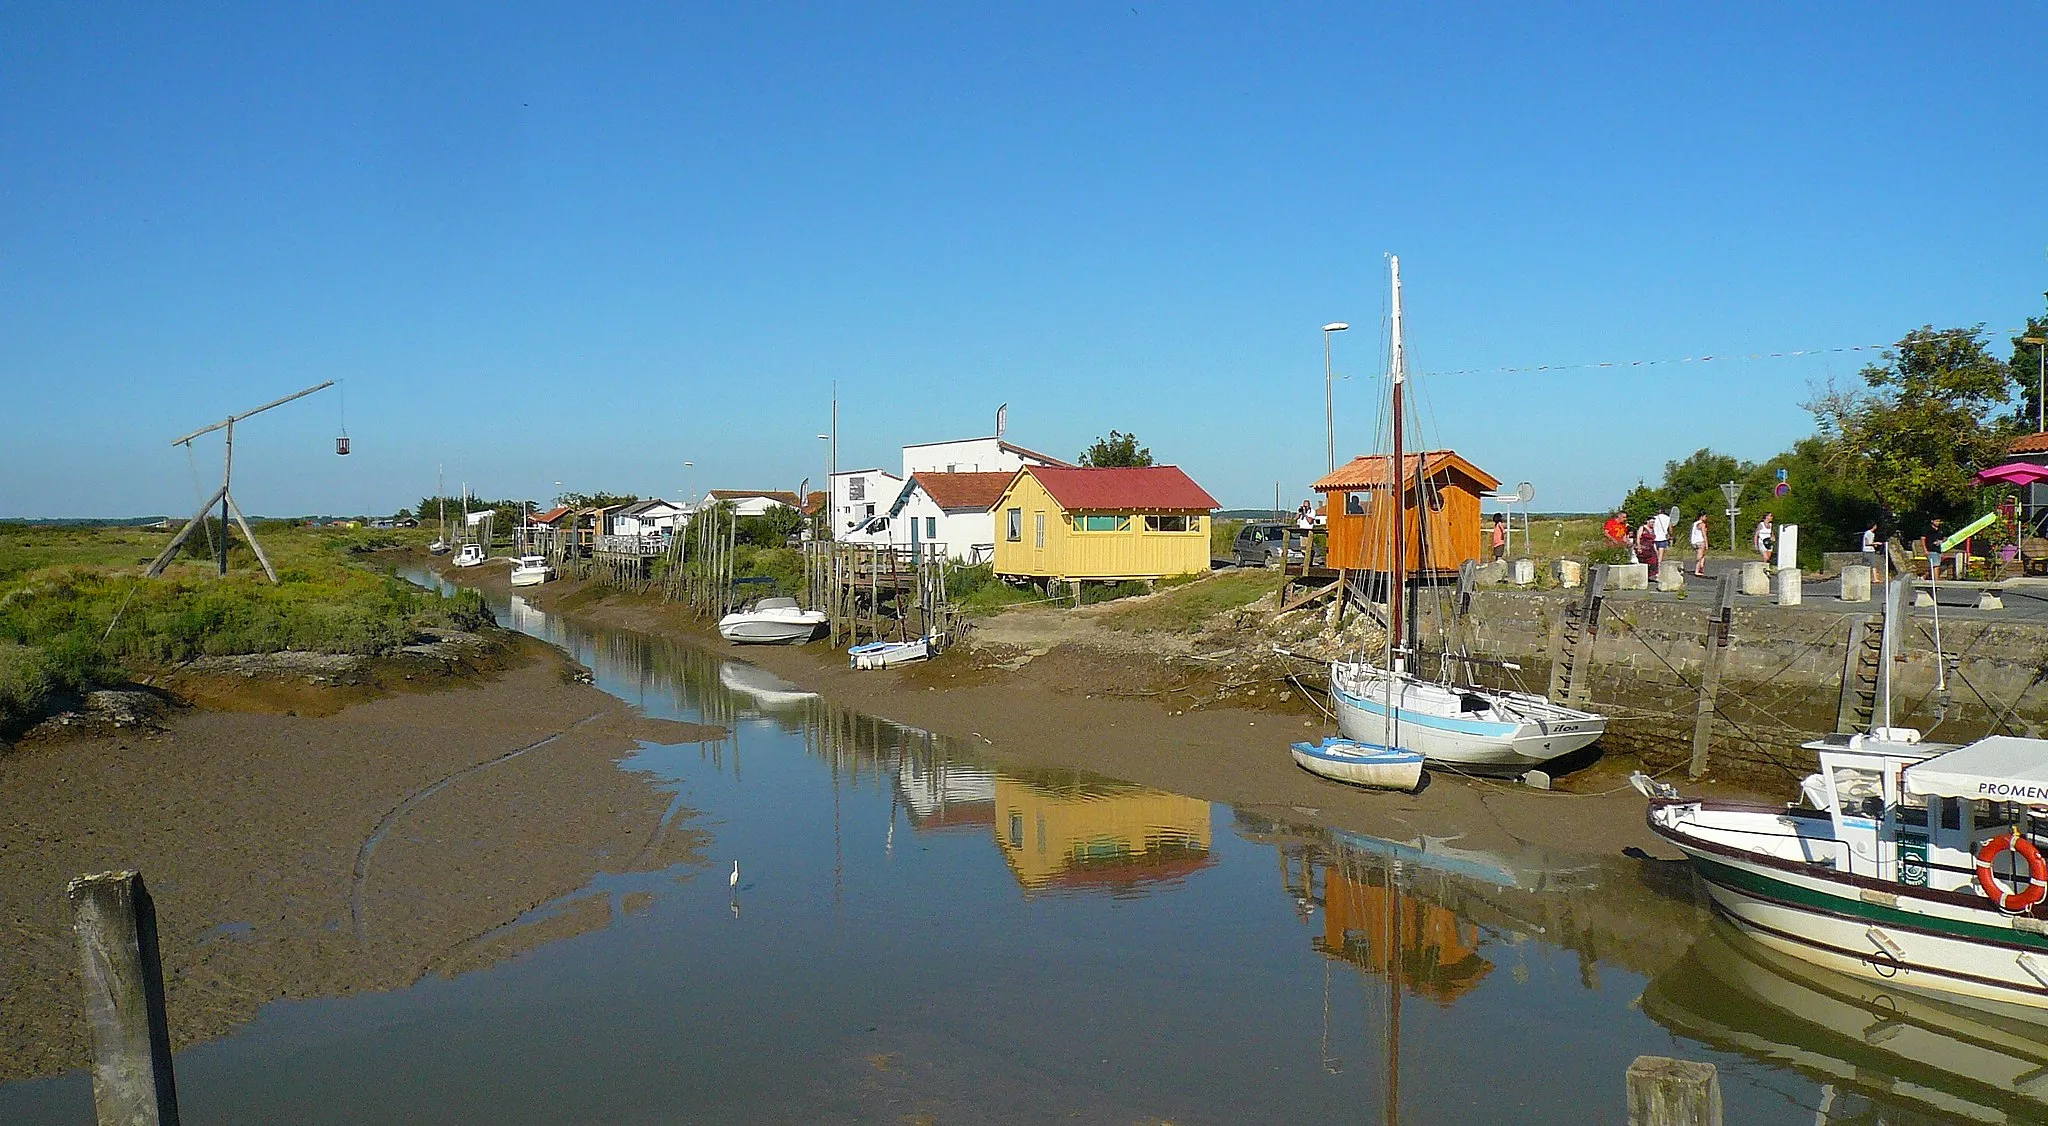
[[1329, 408], [687, 466], [2040, 344]]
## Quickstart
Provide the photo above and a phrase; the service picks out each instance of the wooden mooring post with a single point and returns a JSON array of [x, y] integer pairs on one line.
[[115, 922], [1718, 628], [1666, 1092]]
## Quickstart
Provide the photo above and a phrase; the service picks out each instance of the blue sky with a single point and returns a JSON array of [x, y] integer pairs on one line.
[[588, 244]]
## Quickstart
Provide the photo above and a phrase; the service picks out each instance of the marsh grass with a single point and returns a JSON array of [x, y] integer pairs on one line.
[[1184, 607], [76, 612]]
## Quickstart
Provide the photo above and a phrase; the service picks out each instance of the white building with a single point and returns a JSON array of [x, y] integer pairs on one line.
[[858, 497], [953, 509], [972, 455], [649, 518]]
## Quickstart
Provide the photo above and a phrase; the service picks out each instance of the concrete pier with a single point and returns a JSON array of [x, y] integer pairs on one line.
[[1789, 584], [1755, 580], [1522, 572], [1570, 573], [1670, 576], [1628, 576], [1856, 583]]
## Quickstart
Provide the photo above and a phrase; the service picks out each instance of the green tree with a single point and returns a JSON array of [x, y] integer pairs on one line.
[[1119, 449], [2025, 366], [595, 500], [1928, 420]]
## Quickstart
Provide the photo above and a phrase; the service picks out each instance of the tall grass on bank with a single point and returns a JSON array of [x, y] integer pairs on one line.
[[92, 618]]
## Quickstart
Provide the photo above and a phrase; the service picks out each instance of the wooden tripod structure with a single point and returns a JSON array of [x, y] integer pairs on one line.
[[222, 496]]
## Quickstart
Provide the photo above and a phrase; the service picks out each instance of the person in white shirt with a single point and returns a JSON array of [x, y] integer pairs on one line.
[[1870, 539], [1660, 527], [1699, 546]]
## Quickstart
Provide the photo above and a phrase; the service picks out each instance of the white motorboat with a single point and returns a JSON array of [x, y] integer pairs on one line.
[[889, 654], [471, 555], [1361, 764], [771, 621], [1913, 865], [440, 547], [531, 570], [1458, 725]]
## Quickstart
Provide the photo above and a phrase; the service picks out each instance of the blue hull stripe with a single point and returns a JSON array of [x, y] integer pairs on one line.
[[1423, 719]]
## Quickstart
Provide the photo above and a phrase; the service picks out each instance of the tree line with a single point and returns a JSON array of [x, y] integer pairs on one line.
[[1899, 446]]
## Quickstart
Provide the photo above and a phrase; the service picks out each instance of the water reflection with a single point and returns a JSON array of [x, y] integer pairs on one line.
[[1882, 1054], [1068, 830]]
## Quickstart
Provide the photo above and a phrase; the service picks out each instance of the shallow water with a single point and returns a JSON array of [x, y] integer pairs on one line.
[[917, 936]]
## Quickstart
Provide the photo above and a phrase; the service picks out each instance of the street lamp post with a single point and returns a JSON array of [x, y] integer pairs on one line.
[[2040, 344], [1329, 409], [687, 466]]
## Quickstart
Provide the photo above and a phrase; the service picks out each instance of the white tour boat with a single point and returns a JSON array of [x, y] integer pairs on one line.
[[471, 555], [1361, 764], [1462, 726], [531, 570], [771, 621], [1910, 863]]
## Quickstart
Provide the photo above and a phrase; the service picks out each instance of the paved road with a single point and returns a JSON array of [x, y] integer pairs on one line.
[[2025, 599]]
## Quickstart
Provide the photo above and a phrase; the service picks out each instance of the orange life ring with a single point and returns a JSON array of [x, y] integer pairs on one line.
[[2037, 873]]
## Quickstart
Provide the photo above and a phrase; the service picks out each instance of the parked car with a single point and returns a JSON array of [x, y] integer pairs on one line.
[[1260, 543]]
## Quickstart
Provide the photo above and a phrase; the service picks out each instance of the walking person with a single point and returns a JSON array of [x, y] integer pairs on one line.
[[1660, 526], [1763, 537], [1500, 535], [1699, 546], [1870, 539], [1646, 546]]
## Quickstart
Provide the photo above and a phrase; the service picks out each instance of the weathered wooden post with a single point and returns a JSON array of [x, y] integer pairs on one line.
[[1666, 1092], [1718, 624], [124, 1000]]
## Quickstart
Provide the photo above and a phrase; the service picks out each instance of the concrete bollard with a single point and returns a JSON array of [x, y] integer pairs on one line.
[[1670, 576], [1666, 1092], [1856, 583], [1628, 576], [1923, 598], [1522, 572], [1493, 572], [1570, 573], [1989, 600], [1755, 580], [1789, 583]]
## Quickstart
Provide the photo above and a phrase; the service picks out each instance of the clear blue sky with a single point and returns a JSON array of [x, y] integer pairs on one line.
[[588, 243]]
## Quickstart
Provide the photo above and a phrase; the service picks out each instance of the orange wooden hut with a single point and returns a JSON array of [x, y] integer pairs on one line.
[[1356, 505]]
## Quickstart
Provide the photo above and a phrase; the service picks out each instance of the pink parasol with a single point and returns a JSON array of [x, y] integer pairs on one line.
[[2014, 473]]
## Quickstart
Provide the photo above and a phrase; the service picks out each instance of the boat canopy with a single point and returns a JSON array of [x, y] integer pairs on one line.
[[1999, 768]]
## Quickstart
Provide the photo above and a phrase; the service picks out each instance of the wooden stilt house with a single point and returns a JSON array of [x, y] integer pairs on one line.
[[1439, 501]]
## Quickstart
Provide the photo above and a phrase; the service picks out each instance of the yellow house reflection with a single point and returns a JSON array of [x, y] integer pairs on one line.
[[1069, 830]]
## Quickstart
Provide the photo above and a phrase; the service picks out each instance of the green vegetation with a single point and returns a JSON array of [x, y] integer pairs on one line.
[[1119, 449], [977, 590], [76, 613], [1223, 537], [1184, 607]]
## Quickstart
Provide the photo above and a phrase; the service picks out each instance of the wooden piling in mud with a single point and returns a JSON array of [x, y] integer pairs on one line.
[[1666, 1092], [1718, 627], [115, 921]]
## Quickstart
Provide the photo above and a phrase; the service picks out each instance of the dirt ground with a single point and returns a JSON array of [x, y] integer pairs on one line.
[[1052, 687], [360, 847]]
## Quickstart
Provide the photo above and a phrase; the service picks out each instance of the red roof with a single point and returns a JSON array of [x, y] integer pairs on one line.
[[1370, 470], [783, 495], [1153, 487], [976, 491], [2029, 444], [551, 515]]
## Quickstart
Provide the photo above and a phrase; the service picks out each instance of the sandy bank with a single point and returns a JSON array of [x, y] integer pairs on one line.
[[301, 856]]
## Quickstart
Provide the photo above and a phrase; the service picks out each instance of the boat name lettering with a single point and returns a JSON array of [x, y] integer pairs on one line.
[[2012, 790]]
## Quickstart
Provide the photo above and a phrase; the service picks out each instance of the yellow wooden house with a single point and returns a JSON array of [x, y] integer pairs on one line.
[[1063, 524]]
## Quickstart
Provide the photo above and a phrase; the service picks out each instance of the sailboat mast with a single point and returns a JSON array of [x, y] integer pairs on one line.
[[1397, 577]]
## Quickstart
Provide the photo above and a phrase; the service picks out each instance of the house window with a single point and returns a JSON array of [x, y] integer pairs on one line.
[[1166, 523], [1041, 527], [931, 527], [1016, 830], [1102, 523], [868, 511], [1436, 500], [1357, 503], [951, 469], [1016, 529], [856, 488]]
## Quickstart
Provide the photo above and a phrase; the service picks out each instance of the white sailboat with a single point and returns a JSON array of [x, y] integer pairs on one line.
[[1387, 705], [440, 545]]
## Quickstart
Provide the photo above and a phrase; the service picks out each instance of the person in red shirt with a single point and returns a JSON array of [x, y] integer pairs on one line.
[[1617, 529]]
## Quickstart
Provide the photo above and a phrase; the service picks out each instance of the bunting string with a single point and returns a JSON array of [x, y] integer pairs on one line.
[[1624, 365]]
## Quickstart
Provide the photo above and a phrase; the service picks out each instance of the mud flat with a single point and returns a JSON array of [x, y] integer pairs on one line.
[[305, 855]]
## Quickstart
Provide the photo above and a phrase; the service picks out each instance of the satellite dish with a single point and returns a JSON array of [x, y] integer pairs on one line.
[[1526, 492]]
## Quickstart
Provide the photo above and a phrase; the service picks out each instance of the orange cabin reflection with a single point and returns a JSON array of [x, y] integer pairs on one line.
[[1439, 953]]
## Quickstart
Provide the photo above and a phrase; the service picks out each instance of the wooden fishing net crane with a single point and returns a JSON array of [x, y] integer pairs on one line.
[[225, 498]]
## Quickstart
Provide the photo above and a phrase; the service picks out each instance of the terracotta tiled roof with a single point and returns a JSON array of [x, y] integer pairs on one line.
[[1371, 469], [1152, 488], [2029, 444], [551, 515], [975, 491], [816, 501]]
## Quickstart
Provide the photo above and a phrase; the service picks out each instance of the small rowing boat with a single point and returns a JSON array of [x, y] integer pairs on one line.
[[1361, 764], [888, 654]]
